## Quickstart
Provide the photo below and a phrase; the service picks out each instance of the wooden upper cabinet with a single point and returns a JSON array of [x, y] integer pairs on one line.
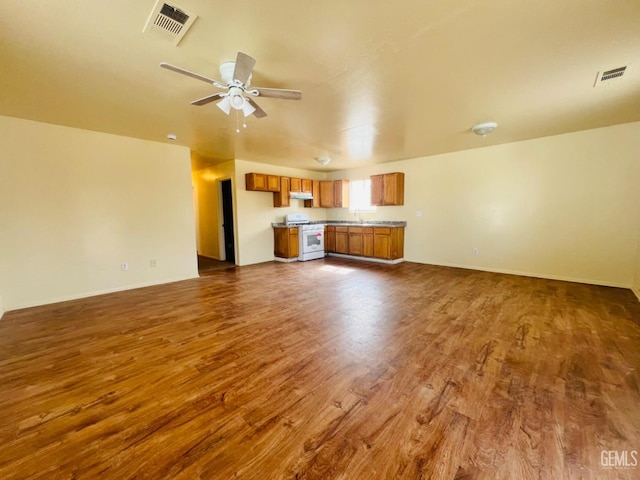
[[315, 191], [377, 189], [334, 193], [306, 185], [341, 193], [295, 185], [260, 182], [326, 193], [387, 189], [282, 198]]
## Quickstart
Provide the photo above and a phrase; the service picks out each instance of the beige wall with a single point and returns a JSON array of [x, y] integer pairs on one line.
[[207, 201], [636, 279], [75, 204], [561, 207], [254, 212]]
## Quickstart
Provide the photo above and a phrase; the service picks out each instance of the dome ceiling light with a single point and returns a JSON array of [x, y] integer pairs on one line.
[[484, 129]]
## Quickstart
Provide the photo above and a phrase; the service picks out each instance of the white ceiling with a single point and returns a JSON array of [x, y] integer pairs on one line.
[[381, 81]]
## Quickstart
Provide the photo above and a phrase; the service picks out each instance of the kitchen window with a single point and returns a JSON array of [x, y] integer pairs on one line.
[[360, 196]]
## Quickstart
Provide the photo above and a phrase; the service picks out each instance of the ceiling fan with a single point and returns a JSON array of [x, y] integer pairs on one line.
[[236, 81]]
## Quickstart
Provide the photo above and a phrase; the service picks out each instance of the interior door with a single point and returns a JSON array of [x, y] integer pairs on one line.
[[227, 221]]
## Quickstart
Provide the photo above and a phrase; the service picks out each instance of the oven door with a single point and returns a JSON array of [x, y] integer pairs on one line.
[[312, 241]]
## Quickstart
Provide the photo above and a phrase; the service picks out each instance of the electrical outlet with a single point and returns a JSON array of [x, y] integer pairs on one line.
[[418, 214], [475, 251], [153, 263], [124, 266]]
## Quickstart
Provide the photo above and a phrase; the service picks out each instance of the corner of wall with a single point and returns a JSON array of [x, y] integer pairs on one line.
[[1, 309]]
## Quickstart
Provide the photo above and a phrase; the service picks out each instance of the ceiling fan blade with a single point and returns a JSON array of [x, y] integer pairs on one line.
[[244, 67], [279, 93], [173, 68], [259, 113], [208, 99]]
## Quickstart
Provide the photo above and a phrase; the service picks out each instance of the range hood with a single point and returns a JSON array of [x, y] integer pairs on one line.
[[301, 195]]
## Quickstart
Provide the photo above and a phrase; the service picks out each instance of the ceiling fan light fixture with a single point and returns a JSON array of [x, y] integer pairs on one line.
[[224, 105], [484, 129], [247, 109]]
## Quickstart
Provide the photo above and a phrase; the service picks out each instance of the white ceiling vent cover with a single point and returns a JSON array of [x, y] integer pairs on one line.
[[614, 75], [169, 22]]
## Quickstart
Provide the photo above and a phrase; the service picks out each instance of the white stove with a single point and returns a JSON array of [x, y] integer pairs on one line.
[[311, 236]]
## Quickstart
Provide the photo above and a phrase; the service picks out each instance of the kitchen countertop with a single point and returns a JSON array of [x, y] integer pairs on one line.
[[347, 223]]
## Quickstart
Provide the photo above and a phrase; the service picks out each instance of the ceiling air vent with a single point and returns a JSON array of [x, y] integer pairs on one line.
[[614, 75], [169, 22]]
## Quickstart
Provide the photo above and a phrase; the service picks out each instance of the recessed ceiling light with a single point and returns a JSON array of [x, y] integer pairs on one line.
[[171, 137]]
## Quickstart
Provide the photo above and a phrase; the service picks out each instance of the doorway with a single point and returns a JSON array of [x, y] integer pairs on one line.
[[227, 221]]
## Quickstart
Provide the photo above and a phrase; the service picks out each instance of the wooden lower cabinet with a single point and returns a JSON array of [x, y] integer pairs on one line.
[[342, 240], [330, 238], [386, 243], [355, 241], [367, 241], [285, 242]]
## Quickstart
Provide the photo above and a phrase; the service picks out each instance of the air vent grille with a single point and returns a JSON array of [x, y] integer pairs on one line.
[[168, 22], [611, 76]]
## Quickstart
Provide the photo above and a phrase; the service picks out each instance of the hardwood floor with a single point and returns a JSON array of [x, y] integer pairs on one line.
[[330, 369]]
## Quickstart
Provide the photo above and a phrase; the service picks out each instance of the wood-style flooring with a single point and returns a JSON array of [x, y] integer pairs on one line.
[[329, 369]]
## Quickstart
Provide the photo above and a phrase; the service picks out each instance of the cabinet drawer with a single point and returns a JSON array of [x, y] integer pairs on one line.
[[342, 229], [355, 230], [382, 231]]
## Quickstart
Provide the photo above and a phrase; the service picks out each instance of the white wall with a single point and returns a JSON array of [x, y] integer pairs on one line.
[[75, 204], [254, 211], [561, 207]]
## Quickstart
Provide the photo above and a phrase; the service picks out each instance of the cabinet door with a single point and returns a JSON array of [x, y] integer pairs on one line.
[[295, 185], [294, 246], [377, 190], [256, 182], [326, 194], [355, 241], [393, 189], [342, 240], [397, 243], [273, 183], [282, 198], [307, 185], [367, 242], [341, 193], [330, 238], [382, 243], [315, 191]]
